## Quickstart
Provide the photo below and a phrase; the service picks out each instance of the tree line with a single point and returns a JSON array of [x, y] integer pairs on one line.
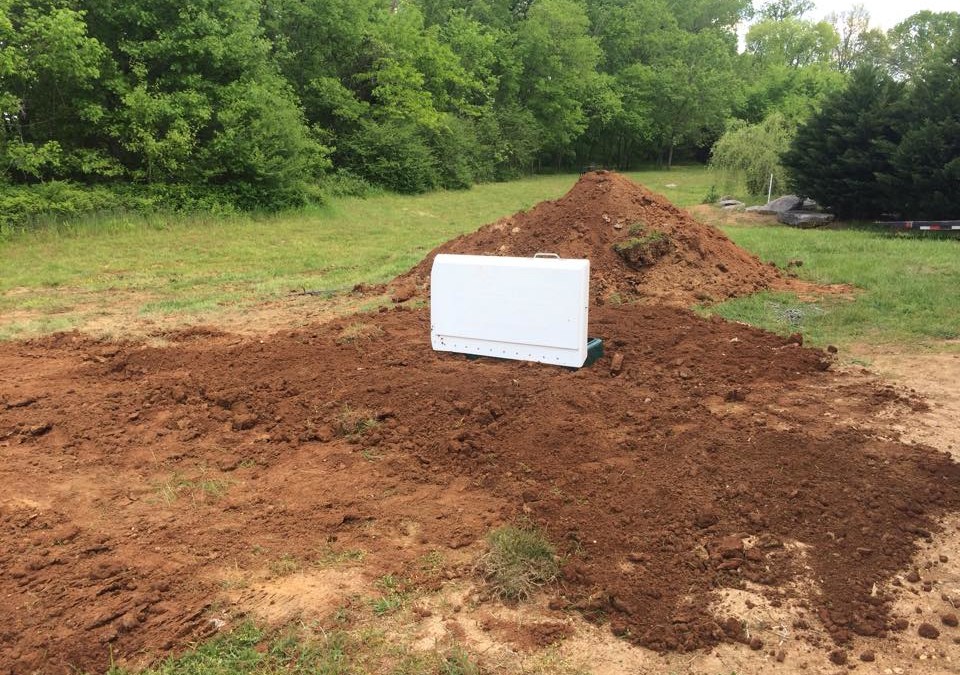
[[273, 103]]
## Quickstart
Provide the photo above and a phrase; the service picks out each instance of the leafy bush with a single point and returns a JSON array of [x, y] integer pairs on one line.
[[26, 206], [345, 183], [393, 155], [753, 151]]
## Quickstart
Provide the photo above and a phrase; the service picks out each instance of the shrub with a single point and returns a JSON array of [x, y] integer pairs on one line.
[[753, 151], [392, 155]]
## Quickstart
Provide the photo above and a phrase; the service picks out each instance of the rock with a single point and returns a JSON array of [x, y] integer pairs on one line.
[[838, 656], [731, 204], [616, 363], [778, 205], [949, 620], [926, 630], [403, 293], [730, 547], [804, 219], [39, 429], [913, 576], [243, 422], [756, 644], [868, 656], [706, 518], [781, 656], [808, 205], [21, 402]]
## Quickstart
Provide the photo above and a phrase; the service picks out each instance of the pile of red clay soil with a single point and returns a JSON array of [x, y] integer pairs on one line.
[[698, 455], [715, 456], [640, 245]]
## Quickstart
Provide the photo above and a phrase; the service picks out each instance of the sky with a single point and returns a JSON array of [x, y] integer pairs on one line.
[[886, 14]]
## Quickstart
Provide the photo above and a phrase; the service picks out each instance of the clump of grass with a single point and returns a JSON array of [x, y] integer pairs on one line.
[[357, 331], [458, 662], [284, 566], [394, 597], [201, 489], [331, 557], [519, 561], [639, 241], [637, 228], [355, 421]]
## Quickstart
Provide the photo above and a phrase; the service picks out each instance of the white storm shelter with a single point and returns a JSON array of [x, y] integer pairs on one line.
[[530, 309]]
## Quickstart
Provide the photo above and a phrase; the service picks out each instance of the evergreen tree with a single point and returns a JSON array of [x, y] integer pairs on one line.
[[842, 156]]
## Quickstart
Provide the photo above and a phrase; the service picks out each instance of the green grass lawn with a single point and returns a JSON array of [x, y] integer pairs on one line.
[[908, 288], [64, 276]]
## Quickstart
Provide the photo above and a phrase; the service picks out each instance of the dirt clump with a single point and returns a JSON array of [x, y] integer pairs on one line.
[[640, 245]]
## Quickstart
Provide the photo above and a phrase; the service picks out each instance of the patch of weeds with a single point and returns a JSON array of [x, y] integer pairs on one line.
[[357, 331], [355, 421], [643, 250], [284, 566], [458, 662], [637, 229], [330, 557], [394, 595], [388, 604], [615, 300], [432, 562], [370, 455], [712, 196], [519, 561], [234, 579], [200, 489]]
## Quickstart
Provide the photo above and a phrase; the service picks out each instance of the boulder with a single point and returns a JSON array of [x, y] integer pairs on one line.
[[778, 205], [804, 219]]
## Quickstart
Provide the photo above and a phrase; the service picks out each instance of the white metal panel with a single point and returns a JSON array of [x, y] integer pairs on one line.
[[532, 309]]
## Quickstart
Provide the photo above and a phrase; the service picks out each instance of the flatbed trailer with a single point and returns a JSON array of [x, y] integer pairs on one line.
[[943, 226]]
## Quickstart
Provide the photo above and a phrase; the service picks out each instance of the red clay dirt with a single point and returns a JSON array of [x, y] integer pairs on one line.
[[718, 456], [666, 255]]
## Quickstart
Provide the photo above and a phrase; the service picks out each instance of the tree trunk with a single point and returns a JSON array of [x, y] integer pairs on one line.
[[670, 156]]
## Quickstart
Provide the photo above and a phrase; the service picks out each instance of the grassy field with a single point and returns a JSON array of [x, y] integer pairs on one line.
[[905, 288], [69, 276], [124, 269]]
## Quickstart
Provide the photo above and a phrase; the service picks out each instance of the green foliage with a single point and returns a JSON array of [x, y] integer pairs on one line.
[[926, 162], [255, 101], [560, 60], [842, 156], [392, 154], [918, 39], [886, 147], [519, 561], [792, 42], [752, 152]]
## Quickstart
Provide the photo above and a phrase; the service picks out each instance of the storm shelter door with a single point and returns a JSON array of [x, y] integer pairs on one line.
[[530, 309]]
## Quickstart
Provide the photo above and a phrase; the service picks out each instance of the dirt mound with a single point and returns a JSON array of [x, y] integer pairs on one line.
[[719, 456], [639, 245]]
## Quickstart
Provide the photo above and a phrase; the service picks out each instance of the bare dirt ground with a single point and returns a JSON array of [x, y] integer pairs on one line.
[[725, 500]]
